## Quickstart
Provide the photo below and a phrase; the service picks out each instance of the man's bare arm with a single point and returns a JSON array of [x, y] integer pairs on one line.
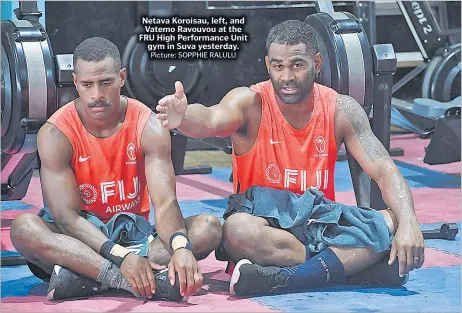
[[160, 177], [199, 121], [60, 188], [354, 127]]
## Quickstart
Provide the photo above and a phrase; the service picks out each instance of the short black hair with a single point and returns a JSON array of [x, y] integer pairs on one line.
[[97, 49], [293, 32]]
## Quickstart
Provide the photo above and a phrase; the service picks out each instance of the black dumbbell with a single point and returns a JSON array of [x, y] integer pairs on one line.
[[13, 260], [448, 231]]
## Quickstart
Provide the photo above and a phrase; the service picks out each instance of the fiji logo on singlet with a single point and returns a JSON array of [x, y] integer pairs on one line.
[[131, 153], [127, 198], [320, 143], [304, 179]]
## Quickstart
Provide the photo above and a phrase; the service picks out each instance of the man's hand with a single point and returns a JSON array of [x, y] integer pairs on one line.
[[408, 246], [137, 271], [189, 273], [172, 108]]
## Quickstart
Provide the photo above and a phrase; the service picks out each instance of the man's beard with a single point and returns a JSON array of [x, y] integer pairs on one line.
[[302, 90]]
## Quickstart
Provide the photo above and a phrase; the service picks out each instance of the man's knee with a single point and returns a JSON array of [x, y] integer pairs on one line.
[[208, 234], [25, 232], [240, 232]]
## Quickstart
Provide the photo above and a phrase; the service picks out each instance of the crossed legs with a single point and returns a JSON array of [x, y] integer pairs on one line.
[[251, 237], [40, 243]]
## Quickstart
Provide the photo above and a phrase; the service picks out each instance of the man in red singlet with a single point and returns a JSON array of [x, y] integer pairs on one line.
[[286, 133], [103, 158]]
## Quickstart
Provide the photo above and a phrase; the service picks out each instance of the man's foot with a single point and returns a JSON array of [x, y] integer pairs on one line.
[[251, 279], [379, 275], [67, 285], [164, 290]]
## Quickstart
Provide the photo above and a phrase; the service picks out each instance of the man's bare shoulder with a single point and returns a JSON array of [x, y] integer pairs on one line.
[[53, 145], [345, 102], [347, 107], [349, 115], [242, 97], [154, 136]]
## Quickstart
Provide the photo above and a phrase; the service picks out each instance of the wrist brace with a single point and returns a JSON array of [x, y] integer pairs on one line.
[[179, 240], [114, 252]]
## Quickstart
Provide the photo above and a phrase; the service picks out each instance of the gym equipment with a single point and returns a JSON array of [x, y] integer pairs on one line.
[[445, 144], [440, 121], [441, 55], [349, 58], [441, 81], [448, 231], [361, 71], [442, 77], [13, 260], [432, 108], [28, 96], [385, 65]]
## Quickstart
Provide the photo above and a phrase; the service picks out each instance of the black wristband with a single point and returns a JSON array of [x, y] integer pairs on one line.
[[178, 233], [116, 257]]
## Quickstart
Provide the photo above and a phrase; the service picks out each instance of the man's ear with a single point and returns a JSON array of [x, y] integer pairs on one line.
[[267, 63], [75, 79], [123, 76], [318, 62]]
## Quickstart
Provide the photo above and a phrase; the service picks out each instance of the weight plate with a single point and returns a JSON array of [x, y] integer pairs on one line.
[[7, 87]]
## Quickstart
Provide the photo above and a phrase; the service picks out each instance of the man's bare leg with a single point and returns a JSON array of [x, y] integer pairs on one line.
[[357, 259], [250, 237], [40, 243], [280, 259]]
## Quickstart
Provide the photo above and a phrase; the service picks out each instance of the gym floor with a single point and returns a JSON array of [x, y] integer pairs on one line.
[[433, 288]]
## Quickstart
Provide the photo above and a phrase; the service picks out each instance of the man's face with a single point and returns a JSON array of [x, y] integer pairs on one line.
[[98, 85], [292, 70]]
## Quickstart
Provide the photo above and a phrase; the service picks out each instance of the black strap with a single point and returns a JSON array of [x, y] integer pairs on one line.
[[178, 233], [105, 252]]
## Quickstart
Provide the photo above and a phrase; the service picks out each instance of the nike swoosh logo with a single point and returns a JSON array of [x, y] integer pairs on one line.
[[274, 142], [81, 159]]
